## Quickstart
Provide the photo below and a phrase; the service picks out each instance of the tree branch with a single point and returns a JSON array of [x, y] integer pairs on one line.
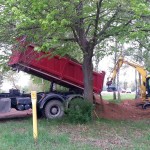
[[99, 4], [88, 28], [143, 45], [30, 28], [75, 35], [113, 33], [107, 25], [79, 22], [66, 39], [79, 27]]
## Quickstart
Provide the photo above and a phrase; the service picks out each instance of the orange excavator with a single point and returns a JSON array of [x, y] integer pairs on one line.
[[145, 79]]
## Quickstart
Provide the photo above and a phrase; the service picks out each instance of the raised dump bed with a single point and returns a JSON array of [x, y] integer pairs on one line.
[[61, 70]]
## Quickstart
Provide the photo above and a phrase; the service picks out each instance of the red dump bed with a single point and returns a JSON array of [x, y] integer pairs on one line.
[[61, 70]]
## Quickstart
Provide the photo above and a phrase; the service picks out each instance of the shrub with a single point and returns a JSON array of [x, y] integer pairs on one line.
[[79, 111]]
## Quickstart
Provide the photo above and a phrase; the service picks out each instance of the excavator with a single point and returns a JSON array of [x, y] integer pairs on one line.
[[145, 79]]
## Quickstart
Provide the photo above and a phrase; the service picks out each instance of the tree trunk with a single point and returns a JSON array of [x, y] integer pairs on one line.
[[136, 85], [114, 81], [119, 98], [140, 83], [88, 76]]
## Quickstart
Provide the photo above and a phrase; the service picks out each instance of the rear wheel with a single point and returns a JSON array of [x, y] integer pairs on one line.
[[54, 109], [70, 105]]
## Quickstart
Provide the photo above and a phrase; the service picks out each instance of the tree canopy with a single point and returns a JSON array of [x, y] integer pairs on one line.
[[74, 24]]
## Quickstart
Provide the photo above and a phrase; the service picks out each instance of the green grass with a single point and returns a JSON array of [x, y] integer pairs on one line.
[[109, 96], [98, 135]]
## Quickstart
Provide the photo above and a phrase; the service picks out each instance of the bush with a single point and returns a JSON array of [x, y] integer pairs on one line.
[[79, 111]]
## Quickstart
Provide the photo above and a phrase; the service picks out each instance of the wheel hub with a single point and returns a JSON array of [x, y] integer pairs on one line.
[[54, 110]]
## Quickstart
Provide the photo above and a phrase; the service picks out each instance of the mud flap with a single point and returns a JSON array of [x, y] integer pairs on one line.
[[5, 105]]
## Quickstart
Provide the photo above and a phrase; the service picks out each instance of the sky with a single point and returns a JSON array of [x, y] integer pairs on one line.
[[23, 80], [127, 74]]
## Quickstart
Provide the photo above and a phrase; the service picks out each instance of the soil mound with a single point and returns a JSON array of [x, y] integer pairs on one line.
[[126, 110], [15, 114]]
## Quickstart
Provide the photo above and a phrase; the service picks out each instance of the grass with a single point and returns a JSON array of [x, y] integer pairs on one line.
[[109, 96], [58, 134]]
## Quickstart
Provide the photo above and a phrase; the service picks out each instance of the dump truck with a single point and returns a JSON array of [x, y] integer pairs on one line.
[[64, 71]]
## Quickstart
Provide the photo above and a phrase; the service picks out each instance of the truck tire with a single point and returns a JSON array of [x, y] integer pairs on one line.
[[69, 105], [54, 109]]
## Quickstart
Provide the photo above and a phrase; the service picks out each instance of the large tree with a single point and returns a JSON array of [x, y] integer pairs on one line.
[[73, 24]]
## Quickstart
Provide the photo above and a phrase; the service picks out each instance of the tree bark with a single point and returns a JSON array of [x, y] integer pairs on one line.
[[115, 60], [88, 76], [119, 98], [136, 86]]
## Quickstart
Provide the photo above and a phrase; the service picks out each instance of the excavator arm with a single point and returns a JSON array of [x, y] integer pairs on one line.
[[138, 67], [115, 71]]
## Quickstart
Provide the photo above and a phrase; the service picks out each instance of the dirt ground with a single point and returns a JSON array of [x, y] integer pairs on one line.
[[126, 110], [15, 114]]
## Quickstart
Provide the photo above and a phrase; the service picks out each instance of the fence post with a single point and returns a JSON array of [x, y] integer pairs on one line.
[[34, 114]]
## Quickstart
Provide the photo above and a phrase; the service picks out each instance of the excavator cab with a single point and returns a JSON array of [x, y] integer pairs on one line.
[[147, 102], [111, 89], [148, 86]]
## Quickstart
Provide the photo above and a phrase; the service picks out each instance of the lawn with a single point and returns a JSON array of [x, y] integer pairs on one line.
[[100, 134], [109, 96]]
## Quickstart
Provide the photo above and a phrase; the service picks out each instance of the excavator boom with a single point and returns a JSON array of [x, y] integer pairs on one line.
[[115, 71], [138, 67]]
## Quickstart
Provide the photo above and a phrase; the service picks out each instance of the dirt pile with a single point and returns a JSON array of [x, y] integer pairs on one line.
[[15, 114], [126, 110]]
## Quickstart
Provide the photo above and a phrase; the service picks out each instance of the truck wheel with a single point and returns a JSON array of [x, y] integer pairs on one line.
[[54, 109], [69, 105]]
